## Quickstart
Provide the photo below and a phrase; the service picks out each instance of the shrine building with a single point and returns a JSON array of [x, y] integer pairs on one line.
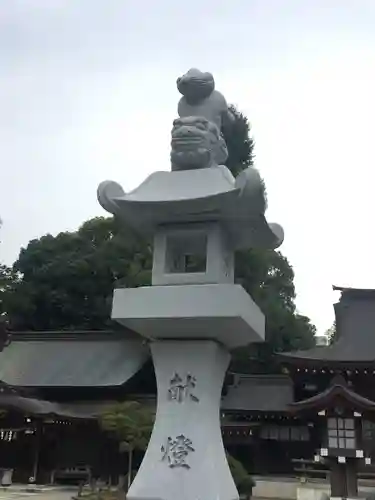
[[315, 420]]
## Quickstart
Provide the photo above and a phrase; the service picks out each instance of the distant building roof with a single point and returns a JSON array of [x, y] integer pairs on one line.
[[39, 407], [338, 352], [259, 393], [66, 359], [338, 390], [355, 324], [354, 291], [12, 399]]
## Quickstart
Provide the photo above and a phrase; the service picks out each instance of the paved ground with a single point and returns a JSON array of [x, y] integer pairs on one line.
[[49, 494]]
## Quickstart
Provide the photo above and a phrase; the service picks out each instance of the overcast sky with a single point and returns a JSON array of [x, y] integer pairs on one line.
[[87, 93]]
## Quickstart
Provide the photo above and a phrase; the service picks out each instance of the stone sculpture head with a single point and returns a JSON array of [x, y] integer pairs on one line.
[[195, 85], [196, 143]]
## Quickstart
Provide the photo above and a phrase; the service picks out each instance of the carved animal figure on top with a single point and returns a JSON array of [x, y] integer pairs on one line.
[[196, 143], [197, 140], [201, 99]]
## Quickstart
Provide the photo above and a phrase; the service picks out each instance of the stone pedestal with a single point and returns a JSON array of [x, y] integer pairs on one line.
[[185, 458]]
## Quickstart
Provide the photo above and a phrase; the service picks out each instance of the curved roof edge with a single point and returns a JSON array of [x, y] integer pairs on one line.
[[123, 333], [19, 400], [353, 290], [321, 400], [319, 357]]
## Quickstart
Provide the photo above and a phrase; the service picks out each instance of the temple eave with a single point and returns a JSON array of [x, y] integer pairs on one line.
[[328, 356], [354, 291], [329, 397]]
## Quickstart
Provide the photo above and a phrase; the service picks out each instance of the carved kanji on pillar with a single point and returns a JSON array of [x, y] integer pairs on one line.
[[176, 451], [181, 389]]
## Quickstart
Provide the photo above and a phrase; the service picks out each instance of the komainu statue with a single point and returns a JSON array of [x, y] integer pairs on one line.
[[197, 140]]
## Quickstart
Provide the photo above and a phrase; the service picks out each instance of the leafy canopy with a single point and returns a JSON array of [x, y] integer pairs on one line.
[[243, 480], [130, 423]]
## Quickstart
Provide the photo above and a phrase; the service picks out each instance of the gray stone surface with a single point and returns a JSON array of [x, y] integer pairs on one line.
[[185, 458], [200, 98], [206, 242], [196, 143], [210, 194], [225, 313]]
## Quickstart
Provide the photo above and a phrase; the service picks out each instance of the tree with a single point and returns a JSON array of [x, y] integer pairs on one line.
[[66, 281], [5, 282], [332, 333], [239, 143], [7, 278], [131, 424], [243, 480]]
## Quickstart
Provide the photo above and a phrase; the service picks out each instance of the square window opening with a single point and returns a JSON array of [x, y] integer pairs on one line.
[[186, 253]]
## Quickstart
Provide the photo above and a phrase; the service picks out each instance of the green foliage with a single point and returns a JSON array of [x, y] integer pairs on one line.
[[332, 333], [130, 423], [68, 280], [7, 278], [239, 143], [268, 277], [243, 480]]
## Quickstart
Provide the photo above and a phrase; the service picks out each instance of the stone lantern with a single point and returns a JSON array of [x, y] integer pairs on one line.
[[193, 314]]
